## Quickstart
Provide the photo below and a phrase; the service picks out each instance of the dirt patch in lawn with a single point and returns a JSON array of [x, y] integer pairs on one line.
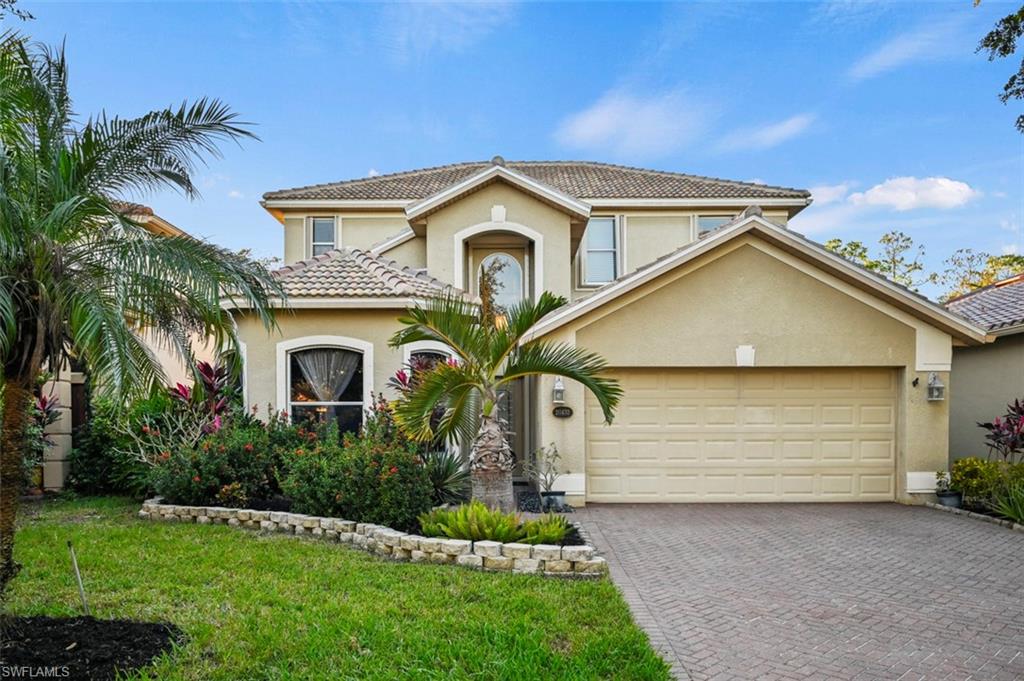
[[87, 647]]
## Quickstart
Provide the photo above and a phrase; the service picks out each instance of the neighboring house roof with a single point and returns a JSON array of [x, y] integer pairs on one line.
[[585, 180], [352, 273], [752, 221], [145, 216], [999, 308]]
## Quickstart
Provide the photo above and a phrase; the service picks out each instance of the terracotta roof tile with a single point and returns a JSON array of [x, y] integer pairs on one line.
[[994, 307], [353, 273], [580, 179]]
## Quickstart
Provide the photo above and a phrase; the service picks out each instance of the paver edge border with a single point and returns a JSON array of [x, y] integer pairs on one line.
[[548, 560], [1008, 524]]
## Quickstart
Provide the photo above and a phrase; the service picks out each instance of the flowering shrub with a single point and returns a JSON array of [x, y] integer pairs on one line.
[[231, 467], [372, 478]]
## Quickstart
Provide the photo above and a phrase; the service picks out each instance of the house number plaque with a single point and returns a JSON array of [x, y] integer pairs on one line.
[[561, 412]]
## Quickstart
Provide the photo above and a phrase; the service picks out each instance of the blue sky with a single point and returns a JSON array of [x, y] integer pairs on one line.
[[882, 109]]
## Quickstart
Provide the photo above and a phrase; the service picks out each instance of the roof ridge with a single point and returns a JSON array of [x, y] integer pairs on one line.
[[374, 178], [670, 173]]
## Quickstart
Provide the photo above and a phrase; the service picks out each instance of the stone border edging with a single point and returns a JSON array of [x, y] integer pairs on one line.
[[545, 559], [977, 516]]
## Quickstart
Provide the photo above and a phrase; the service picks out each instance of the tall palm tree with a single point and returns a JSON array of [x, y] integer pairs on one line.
[[489, 355], [78, 278]]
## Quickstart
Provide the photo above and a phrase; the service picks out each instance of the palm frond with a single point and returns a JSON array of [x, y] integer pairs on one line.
[[541, 357], [435, 387]]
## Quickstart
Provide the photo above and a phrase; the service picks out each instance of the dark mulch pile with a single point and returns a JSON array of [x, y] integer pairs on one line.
[[273, 504], [86, 647], [528, 501]]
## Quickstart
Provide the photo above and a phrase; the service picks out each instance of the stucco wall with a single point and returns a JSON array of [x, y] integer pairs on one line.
[[648, 237], [520, 208], [984, 380], [294, 239], [413, 253], [372, 326], [746, 294], [364, 232]]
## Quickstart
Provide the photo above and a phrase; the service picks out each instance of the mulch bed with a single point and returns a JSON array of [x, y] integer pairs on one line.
[[86, 647]]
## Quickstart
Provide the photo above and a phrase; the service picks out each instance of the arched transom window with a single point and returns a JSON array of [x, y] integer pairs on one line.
[[327, 383], [508, 278]]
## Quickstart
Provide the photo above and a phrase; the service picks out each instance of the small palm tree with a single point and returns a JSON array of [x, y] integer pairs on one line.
[[490, 354], [78, 278]]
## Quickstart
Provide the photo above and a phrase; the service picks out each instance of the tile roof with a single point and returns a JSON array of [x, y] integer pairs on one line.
[[994, 307], [353, 273], [580, 179]]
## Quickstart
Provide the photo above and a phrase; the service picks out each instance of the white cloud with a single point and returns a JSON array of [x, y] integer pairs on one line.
[[372, 172], [908, 193], [626, 124], [927, 42], [1009, 249], [415, 29], [768, 135], [825, 194], [756, 180], [235, 194]]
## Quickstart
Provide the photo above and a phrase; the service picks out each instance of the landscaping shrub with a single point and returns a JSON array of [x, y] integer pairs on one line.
[[477, 522], [231, 467], [448, 476], [977, 479], [373, 478], [1009, 502], [1005, 434], [548, 529], [101, 462]]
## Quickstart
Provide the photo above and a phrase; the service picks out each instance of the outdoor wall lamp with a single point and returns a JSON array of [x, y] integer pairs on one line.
[[558, 392], [936, 389]]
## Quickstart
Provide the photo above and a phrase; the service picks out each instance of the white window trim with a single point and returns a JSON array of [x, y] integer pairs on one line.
[[424, 346], [459, 256], [285, 348], [310, 232], [581, 283], [243, 353]]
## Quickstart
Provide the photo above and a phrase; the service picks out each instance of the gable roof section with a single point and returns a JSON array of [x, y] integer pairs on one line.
[[752, 222], [356, 275], [587, 181], [547, 194], [999, 308]]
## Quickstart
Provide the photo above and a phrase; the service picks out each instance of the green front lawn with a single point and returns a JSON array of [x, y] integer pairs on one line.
[[276, 607]]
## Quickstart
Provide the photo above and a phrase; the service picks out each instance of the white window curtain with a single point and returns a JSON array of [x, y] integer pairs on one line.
[[328, 371]]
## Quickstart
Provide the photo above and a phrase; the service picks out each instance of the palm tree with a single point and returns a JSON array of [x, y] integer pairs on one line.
[[78, 278], [489, 354]]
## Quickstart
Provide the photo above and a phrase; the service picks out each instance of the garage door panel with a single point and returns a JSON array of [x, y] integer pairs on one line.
[[754, 435]]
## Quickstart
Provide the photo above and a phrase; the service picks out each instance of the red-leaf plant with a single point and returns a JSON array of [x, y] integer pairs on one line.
[[1005, 434]]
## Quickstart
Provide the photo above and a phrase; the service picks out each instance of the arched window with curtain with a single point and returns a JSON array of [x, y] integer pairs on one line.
[[327, 383]]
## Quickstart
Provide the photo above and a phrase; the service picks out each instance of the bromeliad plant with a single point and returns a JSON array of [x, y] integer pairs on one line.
[[491, 352], [78, 277], [477, 522]]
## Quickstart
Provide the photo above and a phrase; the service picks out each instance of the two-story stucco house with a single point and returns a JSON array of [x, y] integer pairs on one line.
[[757, 366]]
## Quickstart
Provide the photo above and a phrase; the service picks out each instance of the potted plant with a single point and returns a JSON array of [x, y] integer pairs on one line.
[[544, 471], [947, 497]]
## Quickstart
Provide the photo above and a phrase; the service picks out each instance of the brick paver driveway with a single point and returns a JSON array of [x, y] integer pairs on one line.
[[819, 591]]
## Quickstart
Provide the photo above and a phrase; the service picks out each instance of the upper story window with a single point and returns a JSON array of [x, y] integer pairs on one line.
[[599, 264], [323, 234], [708, 223], [508, 278]]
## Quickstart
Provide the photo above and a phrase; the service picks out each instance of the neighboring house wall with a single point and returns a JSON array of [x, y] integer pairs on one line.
[[750, 293], [985, 379], [55, 458]]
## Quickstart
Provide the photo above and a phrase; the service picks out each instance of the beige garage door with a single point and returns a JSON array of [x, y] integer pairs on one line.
[[746, 435]]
